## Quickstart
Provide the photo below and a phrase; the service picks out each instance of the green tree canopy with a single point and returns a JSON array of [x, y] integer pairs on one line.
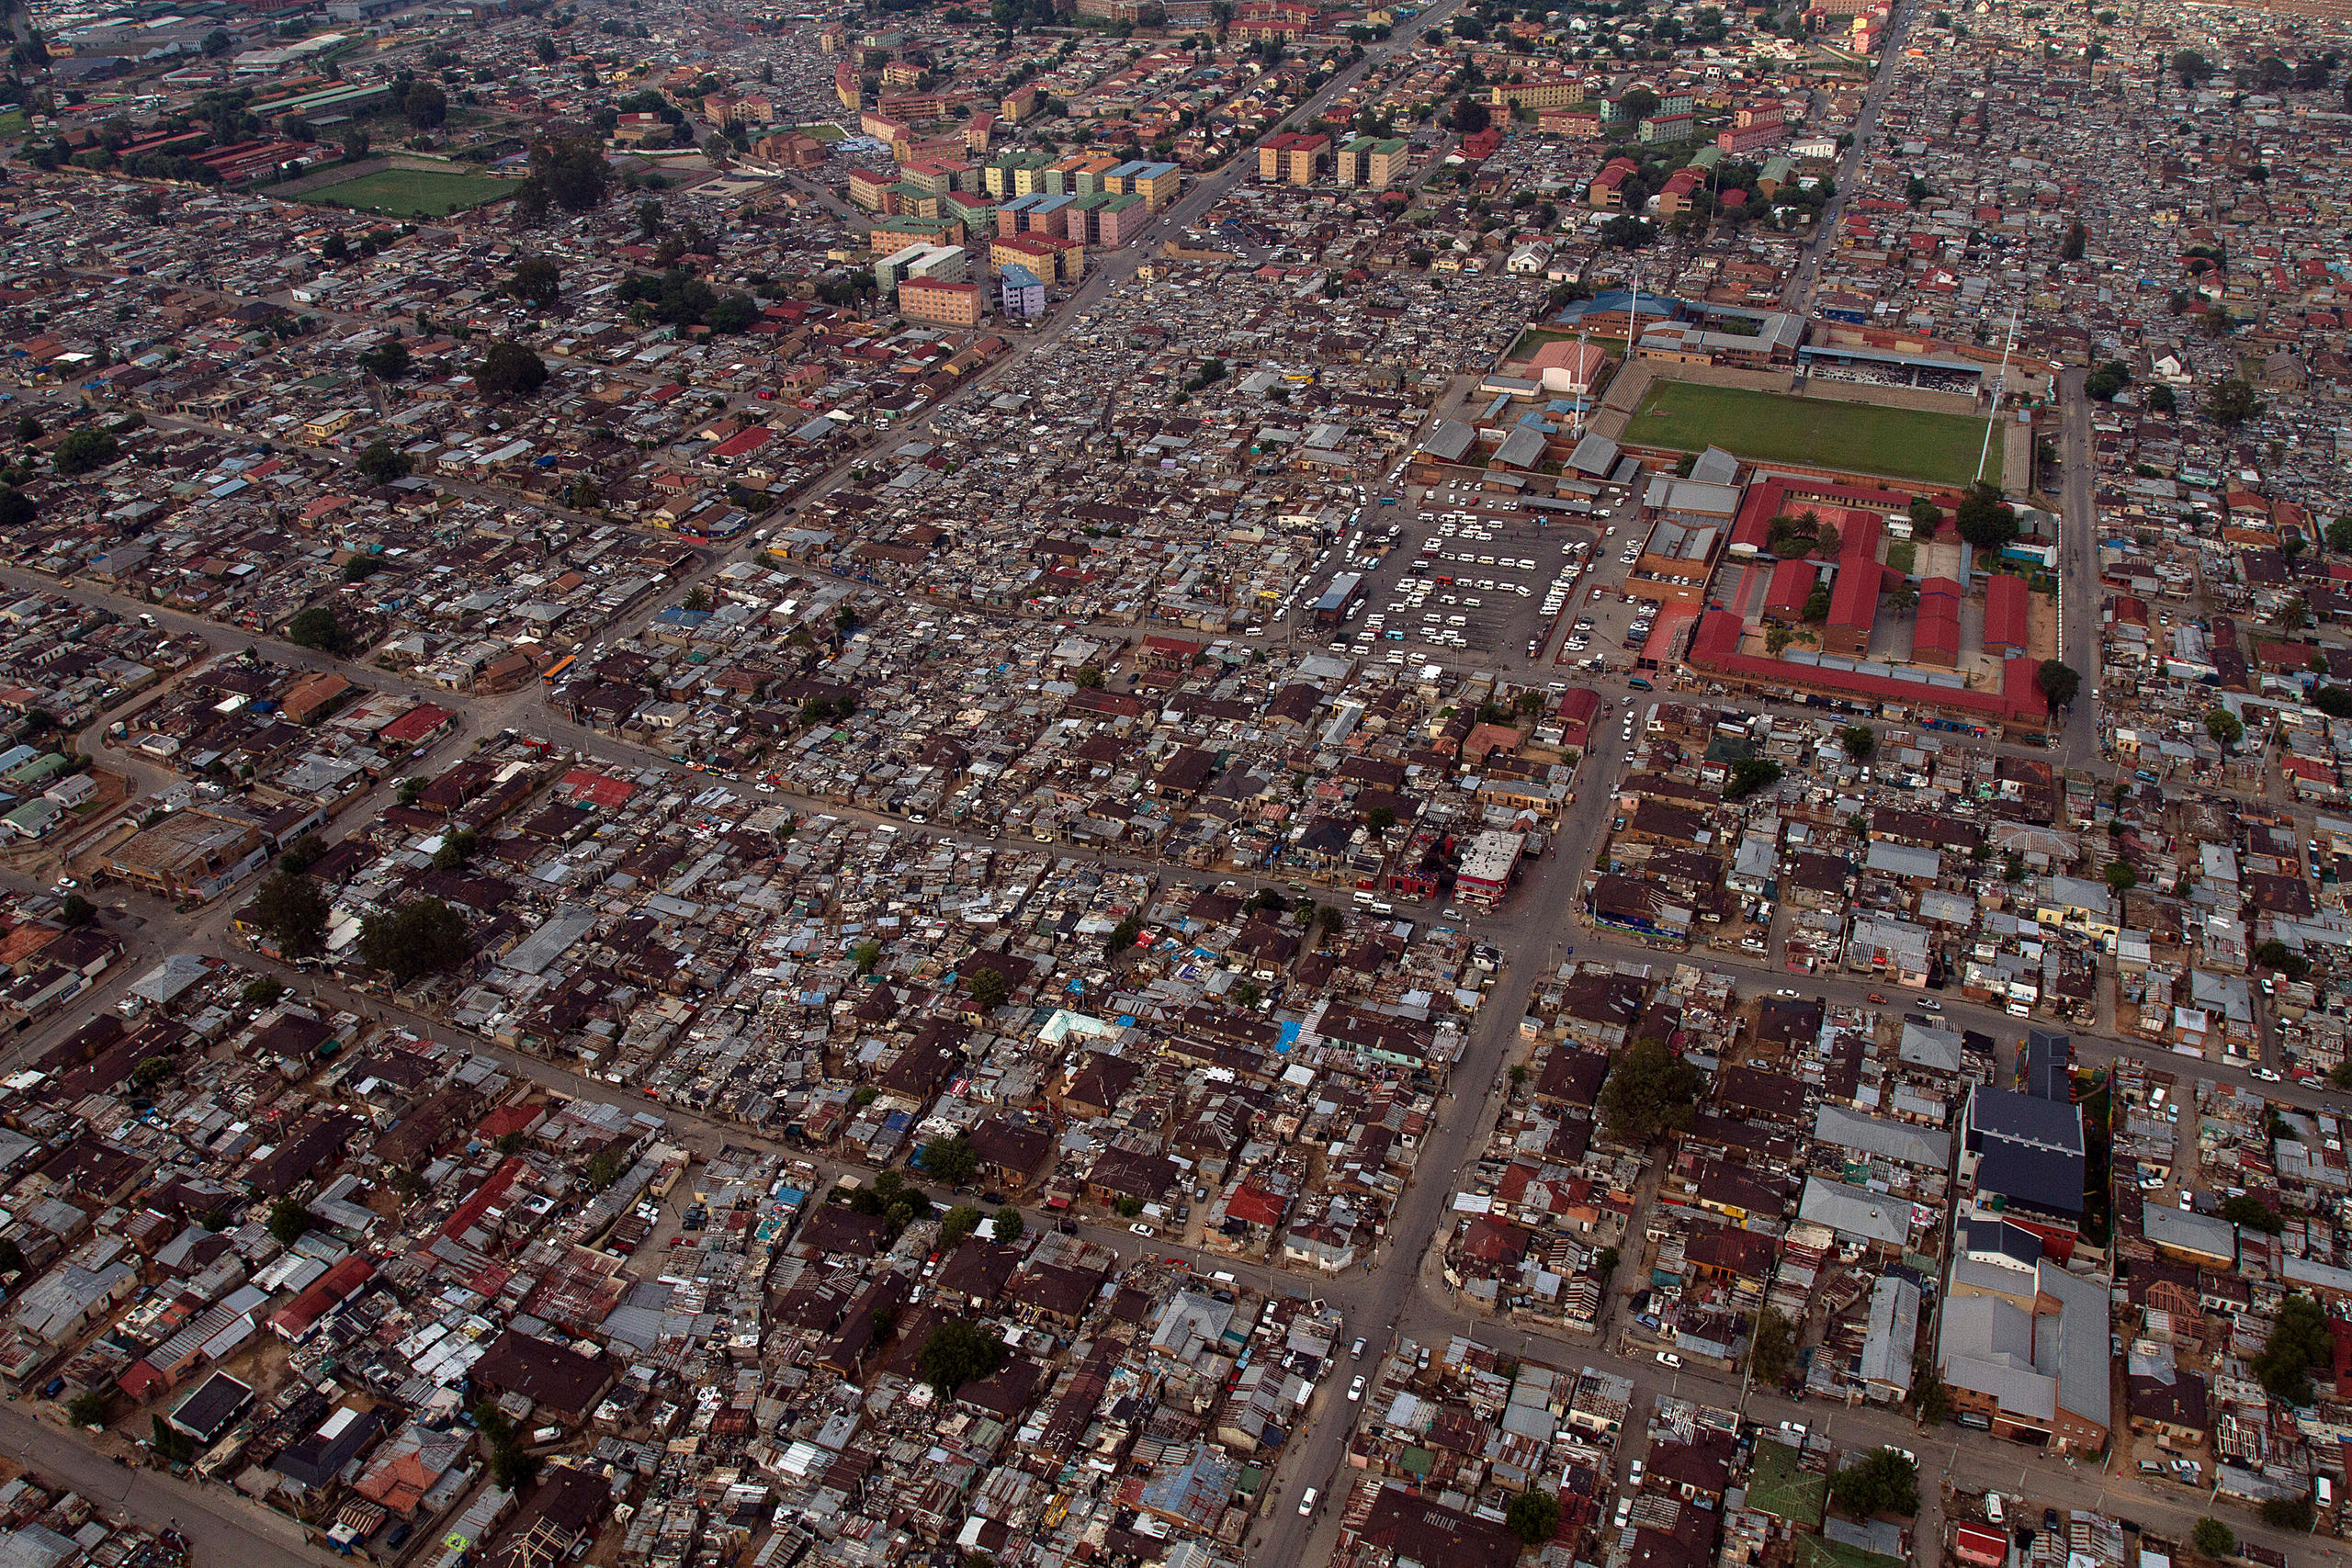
[[289, 907], [1749, 774], [2299, 1341], [2212, 1537], [382, 463], [1860, 740], [510, 370], [1649, 1090], [951, 1159], [1984, 518], [83, 450], [317, 627], [1880, 1482], [956, 1353], [2058, 680], [288, 1220], [1533, 1516], [422, 937]]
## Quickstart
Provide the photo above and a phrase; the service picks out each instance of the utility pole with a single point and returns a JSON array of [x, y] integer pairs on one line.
[[1999, 385]]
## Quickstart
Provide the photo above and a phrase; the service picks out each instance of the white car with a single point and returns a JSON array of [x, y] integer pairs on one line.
[[1930, 1004], [1307, 1503], [1669, 1358], [1355, 1389], [2267, 1075]]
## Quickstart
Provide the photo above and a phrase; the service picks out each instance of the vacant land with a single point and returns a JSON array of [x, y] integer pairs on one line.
[[1940, 448], [823, 132], [412, 193], [1781, 1489]]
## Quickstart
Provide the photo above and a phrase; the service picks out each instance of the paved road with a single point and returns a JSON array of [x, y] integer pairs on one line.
[[2078, 567], [221, 1531], [1799, 293]]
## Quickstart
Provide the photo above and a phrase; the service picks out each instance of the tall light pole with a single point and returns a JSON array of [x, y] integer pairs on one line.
[[1999, 384]]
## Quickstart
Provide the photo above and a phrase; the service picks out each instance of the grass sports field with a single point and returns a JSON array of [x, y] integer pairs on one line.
[[1940, 448], [412, 193], [1819, 1552], [1781, 1489]]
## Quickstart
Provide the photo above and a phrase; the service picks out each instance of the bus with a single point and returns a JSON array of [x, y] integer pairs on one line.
[[555, 672]]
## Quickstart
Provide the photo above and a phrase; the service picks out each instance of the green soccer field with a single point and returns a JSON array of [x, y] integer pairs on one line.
[[1783, 1489], [411, 193], [1940, 448]]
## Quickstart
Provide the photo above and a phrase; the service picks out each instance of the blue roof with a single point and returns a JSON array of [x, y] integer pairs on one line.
[[1018, 277]]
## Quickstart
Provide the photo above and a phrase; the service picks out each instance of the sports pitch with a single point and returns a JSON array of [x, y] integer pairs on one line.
[[411, 193], [1783, 1489], [1936, 448]]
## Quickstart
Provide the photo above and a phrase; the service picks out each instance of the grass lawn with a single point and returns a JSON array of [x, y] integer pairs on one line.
[[14, 123], [1818, 1551], [1780, 1488], [412, 193], [1940, 448], [827, 133]]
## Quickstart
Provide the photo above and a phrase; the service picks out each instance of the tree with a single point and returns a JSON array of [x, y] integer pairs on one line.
[[1925, 515], [288, 1220], [217, 43], [2251, 1211], [1880, 1482], [536, 281], [150, 1072], [2059, 683], [510, 370], [2225, 728], [1380, 819], [381, 463], [1860, 740], [604, 1168], [170, 1444], [956, 1353], [2339, 533], [1984, 519], [2191, 67], [289, 907], [2233, 403], [388, 361], [2288, 1514], [951, 1159], [956, 1224], [1749, 774], [1469, 117], [1089, 678], [83, 450], [2161, 398], [1650, 1088], [2109, 379], [2121, 878], [423, 937], [2212, 1537], [424, 104], [2071, 247], [2299, 1341], [1772, 1354], [16, 508], [1123, 936], [354, 143], [512, 1469], [317, 627], [988, 989], [91, 1407], [1534, 1516], [1009, 1225], [76, 912]]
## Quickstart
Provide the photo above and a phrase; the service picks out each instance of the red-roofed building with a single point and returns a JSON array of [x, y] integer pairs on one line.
[[1577, 709], [1716, 649], [295, 1320], [593, 788], [1792, 584], [420, 725], [1935, 638], [485, 1197], [2005, 614], [1853, 598], [742, 444]]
